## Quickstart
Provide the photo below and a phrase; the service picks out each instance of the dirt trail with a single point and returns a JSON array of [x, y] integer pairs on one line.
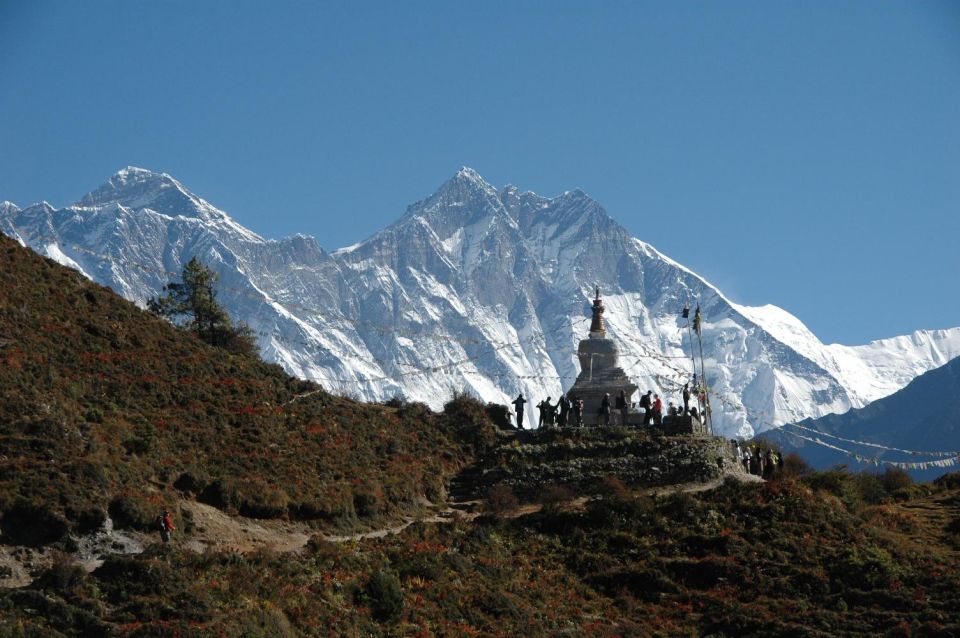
[[212, 529]]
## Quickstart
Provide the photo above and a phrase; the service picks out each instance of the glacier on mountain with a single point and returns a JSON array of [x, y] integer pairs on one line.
[[472, 289]]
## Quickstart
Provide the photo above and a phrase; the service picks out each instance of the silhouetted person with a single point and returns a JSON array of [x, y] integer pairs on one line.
[[518, 404], [647, 406], [605, 409], [622, 407], [564, 406], [546, 413], [686, 398], [578, 411]]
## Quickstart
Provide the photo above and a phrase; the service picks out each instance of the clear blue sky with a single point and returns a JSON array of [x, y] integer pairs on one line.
[[805, 154]]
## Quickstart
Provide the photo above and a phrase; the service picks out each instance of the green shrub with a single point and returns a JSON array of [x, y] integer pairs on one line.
[[895, 479], [385, 595]]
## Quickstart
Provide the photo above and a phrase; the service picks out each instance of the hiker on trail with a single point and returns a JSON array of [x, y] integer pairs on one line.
[[647, 406], [672, 410], [578, 411], [165, 524], [605, 409], [686, 398], [518, 404], [622, 407], [657, 410], [564, 406]]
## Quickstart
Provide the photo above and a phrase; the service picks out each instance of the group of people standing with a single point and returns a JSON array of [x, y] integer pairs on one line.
[[569, 410], [652, 406], [764, 463]]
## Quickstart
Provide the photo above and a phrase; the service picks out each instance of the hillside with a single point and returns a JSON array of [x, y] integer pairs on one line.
[[105, 409], [472, 287], [925, 416], [806, 557]]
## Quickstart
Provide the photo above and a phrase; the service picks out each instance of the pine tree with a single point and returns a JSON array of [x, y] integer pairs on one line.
[[192, 305]]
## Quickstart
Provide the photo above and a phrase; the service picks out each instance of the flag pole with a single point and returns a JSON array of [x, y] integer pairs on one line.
[[693, 354], [703, 371]]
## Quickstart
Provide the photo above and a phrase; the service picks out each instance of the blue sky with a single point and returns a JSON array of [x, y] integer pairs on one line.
[[801, 154]]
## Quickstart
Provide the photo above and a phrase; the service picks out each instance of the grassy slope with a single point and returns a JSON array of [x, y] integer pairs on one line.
[[105, 406], [102, 404], [791, 558]]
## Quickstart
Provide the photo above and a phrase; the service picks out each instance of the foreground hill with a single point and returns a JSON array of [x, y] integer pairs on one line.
[[825, 556], [105, 409], [923, 416], [473, 287]]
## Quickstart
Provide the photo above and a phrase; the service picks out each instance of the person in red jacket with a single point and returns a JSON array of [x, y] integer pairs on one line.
[[657, 410], [166, 526]]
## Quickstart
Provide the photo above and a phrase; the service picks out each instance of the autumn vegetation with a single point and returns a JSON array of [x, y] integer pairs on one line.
[[106, 409]]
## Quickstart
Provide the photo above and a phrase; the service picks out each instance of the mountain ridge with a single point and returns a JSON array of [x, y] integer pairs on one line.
[[497, 280]]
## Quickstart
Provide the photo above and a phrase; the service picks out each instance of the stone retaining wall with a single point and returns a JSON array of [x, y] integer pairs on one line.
[[581, 458]]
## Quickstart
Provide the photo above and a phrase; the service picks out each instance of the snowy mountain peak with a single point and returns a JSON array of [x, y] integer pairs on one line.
[[473, 289], [467, 181], [138, 188]]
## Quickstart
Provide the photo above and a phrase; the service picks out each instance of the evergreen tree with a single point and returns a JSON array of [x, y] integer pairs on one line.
[[192, 305]]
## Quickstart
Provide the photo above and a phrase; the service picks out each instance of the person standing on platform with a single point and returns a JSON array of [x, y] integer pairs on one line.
[[605, 409], [686, 399], [657, 410], [578, 411], [518, 404], [622, 407], [563, 405], [544, 409], [647, 406]]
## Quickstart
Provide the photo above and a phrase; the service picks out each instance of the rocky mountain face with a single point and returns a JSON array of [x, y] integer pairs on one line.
[[472, 289]]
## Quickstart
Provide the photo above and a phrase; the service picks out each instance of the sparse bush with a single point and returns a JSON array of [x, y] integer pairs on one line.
[[499, 415], [129, 512], [259, 499], [32, 525], [613, 488], [501, 500], [467, 419], [895, 479], [192, 482], [553, 496], [366, 504], [794, 466], [64, 574]]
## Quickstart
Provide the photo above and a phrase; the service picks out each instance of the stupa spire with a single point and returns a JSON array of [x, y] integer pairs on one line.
[[597, 329]]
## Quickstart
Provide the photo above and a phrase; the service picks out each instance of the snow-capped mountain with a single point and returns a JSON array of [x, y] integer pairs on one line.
[[473, 289]]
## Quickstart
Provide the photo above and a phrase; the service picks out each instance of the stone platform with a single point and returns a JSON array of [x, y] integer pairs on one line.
[[581, 458]]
